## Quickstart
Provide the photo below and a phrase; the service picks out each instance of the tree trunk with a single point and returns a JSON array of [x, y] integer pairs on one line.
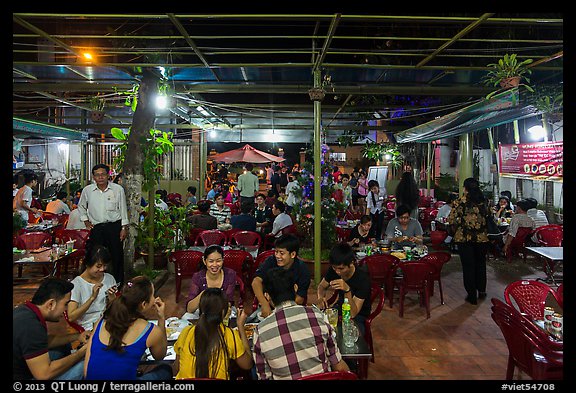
[[142, 122], [549, 203]]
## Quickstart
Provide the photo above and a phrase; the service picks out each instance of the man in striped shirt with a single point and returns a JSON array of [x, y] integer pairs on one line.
[[220, 210], [537, 215], [295, 340]]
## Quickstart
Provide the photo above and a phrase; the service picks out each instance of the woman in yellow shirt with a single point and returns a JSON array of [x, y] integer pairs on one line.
[[205, 350]]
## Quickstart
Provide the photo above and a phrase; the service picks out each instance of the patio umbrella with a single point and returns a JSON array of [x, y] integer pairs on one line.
[[246, 154]]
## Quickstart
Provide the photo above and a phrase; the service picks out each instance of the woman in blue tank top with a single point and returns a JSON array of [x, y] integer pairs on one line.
[[122, 335]]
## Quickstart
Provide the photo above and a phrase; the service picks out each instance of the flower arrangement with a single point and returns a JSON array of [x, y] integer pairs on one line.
[[304, 211]]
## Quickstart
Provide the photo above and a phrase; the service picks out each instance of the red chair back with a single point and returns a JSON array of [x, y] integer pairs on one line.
[[193, 235], [330, 376], [261, 257], [239, 260], [210, 237], [437, 260], [246, 238], [174, 199], [517, 244], [560, 295], [76, 326], [342, 234], [80, 236], [391, 205], [416, 277], [529, 295], [33, 240], [550, 235], [186, 263], [439, 204], [528, 349]]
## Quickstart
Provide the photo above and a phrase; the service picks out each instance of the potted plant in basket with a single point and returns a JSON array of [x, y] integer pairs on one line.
[[508, 72], [97, 105]]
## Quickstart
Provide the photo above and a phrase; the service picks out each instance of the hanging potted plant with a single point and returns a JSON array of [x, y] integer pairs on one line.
[[318, 93], [379, 151], [97, 105], [508, 72]]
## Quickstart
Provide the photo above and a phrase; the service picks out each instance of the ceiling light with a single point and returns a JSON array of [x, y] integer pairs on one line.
[[161, 102]]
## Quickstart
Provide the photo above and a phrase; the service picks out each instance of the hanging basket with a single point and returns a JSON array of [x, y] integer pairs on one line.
[[316, 94], [508, 83], [97, 116]]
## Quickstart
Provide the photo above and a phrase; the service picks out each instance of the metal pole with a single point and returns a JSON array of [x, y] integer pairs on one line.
[[317, 184], [466, 158], [429, 166], [202, 169]]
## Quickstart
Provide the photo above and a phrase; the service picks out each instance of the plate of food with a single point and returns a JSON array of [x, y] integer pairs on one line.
[[249, 329], [174, 327], [398, 254]]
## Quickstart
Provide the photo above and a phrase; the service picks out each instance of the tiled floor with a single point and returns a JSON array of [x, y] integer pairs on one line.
[[459, 342]]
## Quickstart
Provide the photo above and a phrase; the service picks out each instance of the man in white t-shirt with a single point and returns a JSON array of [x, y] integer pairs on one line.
[[58, 205], [282, 219], [537, 215]]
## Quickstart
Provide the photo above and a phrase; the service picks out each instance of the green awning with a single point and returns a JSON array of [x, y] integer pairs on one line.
[[47, 130], [500, 109]]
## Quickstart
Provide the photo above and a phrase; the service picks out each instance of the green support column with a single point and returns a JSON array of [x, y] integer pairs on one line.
[[202, 150], [429, 166], [466, 159], [317, 185]]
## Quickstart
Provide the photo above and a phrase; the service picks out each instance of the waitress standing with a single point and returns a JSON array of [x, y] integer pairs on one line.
[[375, 200]]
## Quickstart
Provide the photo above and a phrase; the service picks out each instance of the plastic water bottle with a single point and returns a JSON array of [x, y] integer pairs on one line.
[[345, 312]]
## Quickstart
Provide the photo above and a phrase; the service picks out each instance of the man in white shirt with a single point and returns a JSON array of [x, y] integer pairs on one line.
[[282, 219], [103, 209], [537, 215], [58, 205], [23, 199], [74, 221], [248, 185]]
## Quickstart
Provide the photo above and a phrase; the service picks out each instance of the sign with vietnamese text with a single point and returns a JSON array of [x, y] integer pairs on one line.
[[537, 161]]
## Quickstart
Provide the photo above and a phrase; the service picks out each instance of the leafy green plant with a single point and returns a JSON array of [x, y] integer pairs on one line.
[[147, 272], [18, 222], [157, 144], [132, 96], [379, 151], [181, 226], [507, 67], [97, 103], [163, 230]]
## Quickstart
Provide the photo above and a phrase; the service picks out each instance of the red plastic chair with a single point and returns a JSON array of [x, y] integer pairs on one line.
[[391, 205], [75, 326], [269, 239], [33, 240], [517, 245], [529, 350], [245, 238], [439, 204], [186, 263], [261, 257], [234, 207], [80, 237], [381, 268], [529, 296], [342, 234], [239, 260], [330, 376], [560, 295], [376, 295], [174, 199], [550, 235], [415, 278], [437, 260], [437, 239], [70, 264], [193, 235], [210, 237]]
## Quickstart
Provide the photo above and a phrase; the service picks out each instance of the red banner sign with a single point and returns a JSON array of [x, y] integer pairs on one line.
[[538, 161]]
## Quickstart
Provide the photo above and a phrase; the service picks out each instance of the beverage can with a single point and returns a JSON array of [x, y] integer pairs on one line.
[[548, 312], [557, 323], [433, 225], [409, 254]]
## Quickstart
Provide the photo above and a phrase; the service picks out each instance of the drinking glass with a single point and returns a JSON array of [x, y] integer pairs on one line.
[[332, 314], [350, 334]]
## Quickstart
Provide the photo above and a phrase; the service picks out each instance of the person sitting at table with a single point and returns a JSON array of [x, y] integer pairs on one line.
[[37, 354], [503, 209], [123, 334], [212, 274], [403, 229], [74, 221], [244, 221], [58, 205], [286, 250], [519, 220], [93, 288], [444, 210], [205, 349], [281, 219], [360, 233], [295, 340], [222, 212], [204, 219], [351, 281], [537, 215], [263, 215]]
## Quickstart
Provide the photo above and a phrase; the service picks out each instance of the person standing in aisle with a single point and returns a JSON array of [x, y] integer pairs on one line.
[[103, 210], [407, 194], [375, 201], [248, 185], [468, 216], [23, 199]]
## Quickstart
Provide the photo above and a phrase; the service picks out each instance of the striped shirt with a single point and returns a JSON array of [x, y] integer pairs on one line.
[[221, 215], [292, 342]]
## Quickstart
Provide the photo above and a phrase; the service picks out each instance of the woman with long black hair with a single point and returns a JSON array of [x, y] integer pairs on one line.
[[468, 216], [205, 350], [407, 194], [375, 201]]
